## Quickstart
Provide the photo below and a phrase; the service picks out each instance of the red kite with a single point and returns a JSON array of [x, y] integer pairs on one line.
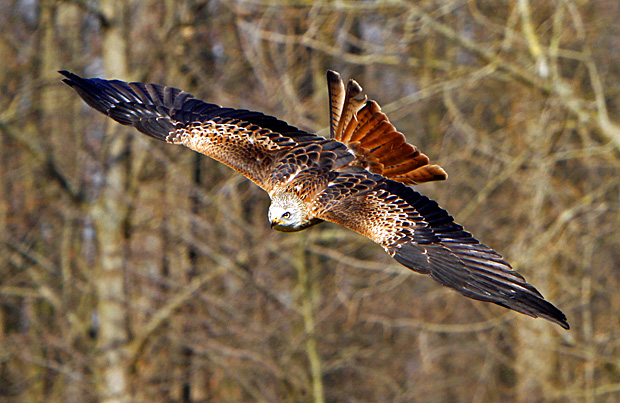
[[357, 178]]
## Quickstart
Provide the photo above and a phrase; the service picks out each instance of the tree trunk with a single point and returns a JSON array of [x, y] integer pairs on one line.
[[109, 215]]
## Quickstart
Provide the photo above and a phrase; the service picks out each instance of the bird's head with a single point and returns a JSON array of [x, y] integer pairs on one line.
[[288, 213]]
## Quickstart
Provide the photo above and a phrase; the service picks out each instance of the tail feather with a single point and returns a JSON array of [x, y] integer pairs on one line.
[[376, 143], [343, 104]]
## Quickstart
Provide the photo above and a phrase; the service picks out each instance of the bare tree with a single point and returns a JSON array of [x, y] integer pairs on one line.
[[110, 214], [133, 271]]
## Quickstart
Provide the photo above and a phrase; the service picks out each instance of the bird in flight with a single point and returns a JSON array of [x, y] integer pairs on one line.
[[359, 177]]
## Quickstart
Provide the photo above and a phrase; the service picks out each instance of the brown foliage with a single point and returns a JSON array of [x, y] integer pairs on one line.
[[516, 100]]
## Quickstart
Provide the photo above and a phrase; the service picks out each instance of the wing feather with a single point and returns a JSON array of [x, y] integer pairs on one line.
[[423, 237], [250, 142]]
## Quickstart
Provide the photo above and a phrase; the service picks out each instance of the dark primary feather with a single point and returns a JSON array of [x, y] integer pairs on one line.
[[424, 237], [249, 142], [136, 104]]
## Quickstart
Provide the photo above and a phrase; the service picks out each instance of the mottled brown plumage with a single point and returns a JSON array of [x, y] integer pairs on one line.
[[357, 178]]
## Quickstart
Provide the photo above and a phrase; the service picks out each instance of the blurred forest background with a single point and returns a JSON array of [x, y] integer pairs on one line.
[[132, 270]]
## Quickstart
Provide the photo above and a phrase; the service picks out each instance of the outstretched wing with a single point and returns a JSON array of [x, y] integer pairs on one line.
[[367, 131], [249, 142], [423, 237]]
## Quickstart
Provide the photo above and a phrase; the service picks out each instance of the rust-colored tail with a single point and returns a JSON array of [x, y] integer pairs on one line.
[[376, 143]]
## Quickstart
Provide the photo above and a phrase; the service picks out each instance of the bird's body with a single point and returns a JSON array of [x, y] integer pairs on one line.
[[357, 178]]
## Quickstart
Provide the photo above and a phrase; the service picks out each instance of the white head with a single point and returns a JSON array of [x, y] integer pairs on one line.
[[288, 213]]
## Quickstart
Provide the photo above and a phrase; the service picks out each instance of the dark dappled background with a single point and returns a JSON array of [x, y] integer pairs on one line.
[[132, 270]]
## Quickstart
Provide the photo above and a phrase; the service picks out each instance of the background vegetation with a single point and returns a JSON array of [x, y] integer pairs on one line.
[[131, 270]]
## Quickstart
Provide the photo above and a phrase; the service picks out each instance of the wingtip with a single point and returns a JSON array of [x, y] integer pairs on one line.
[[71, 78], [561, 320], [67, 73], [549, 312]]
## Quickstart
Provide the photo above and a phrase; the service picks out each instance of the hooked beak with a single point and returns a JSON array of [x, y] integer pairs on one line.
[[275, 222]]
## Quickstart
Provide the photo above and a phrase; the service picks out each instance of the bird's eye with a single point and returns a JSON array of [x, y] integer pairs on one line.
[[286, 215]]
